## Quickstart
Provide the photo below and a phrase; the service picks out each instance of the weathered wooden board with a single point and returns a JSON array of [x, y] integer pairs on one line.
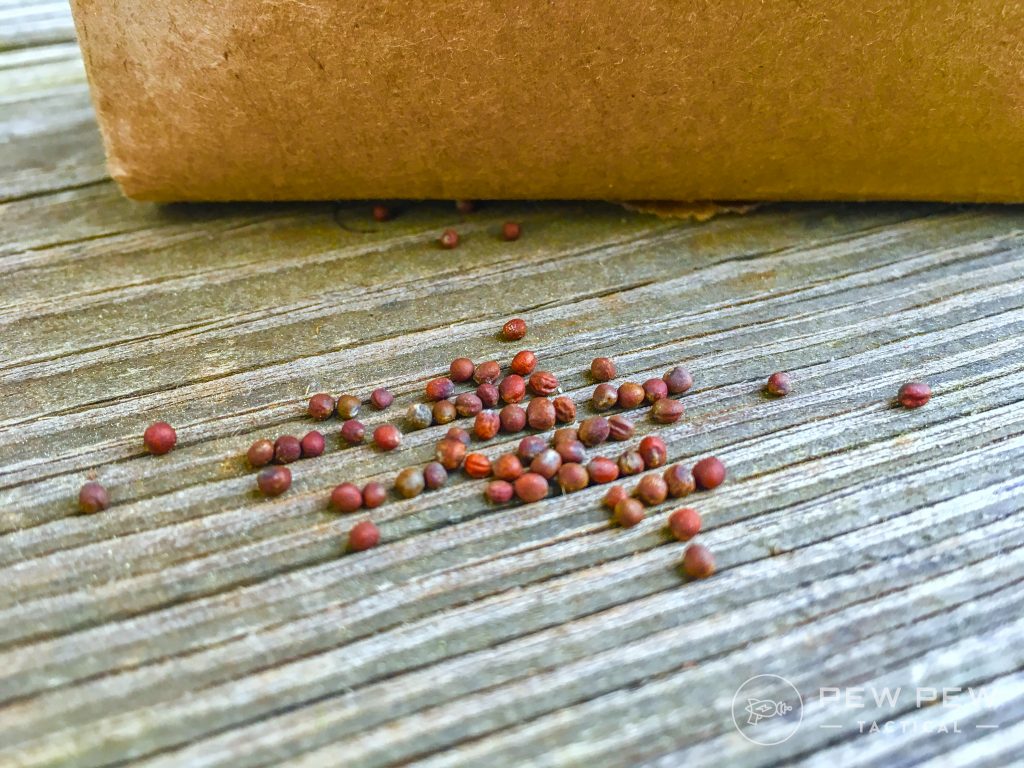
[[195, 623]]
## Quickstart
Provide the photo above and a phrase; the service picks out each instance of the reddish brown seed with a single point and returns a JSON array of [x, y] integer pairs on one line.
[[444, 412], [486, 425], [698, 562], [477, 465], [531, 487], [564, 434], [507, 467], [602, 369], [488, 394], [499, 492], [514, 329], [461, 369], [653, 451], [312, 444], [594, 431], [914, 394], [540, 413], [348, 406], [529, 447], [708, 473], [546, 463], [419, 416], [364, 535], [629, 512], [159, 438], [680, 481], [523, 363], [468, 404], [678, 380], [573, 477], [630, 463], [458, 433], [381, 398], [605, 396], [779, 384], [260, 453], [667, 411], [651, 490], [684, 523], [565, 409], [465, 206], [346, 497], [631, 395], [387, 437], [655, 390], [353, 432], [450, 453], [92, 497], [287, 449], [273, 481], [434, 475], [374, 494], [620, 428], [487, 373], [511, 230], [449, 239], [410, 482], [512, 388], [543, 383], [381, 213], [615, 494], [571, 451], [320, 406], [440, 389], [602, 470], [513, 419]]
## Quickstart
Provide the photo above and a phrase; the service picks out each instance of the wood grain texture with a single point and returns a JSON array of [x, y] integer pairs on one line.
[[194, 623]]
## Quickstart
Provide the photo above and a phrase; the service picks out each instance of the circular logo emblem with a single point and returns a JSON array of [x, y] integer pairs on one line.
[[767, 709]]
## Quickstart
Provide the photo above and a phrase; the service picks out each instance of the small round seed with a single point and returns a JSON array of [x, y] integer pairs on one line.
[[620, 428], [708, 473], [320, 406], [410, 482], [312, 444], [260, 453], [440, 389], [353, 432], [544, 383], [374, 494], [287, 449], [602, 369], [655, 390], [381, 398], [92, 497], [486, 425], [629, 512], [159, 438], [387, 437], [546, 463], [512, 388], [458, 433], [914, 394], [540, 413], [630, 463], [605, 396], [507, 467], [680, 481], [631, 395], [573, 477], [531, 487], [450, 453], [511, 230], [779, 384], [487, 373], [513, 419], [461, 369], [698, 562], [499, 491], [444, 412], [348, 406], [678, 380], [434, 475], [273, 481], [615, 494], [419, 416], [651, 490], [684, 523], [571, 451], [488, 394], [449, 239], [346, 497], [514, 329], [381, 213], [565, 409], [653, 451], [364, 535], [523, 363], [477, 465], [529, 447], [594, 431], [468, 404], [667, 411], [564, 434], [603, 470]]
